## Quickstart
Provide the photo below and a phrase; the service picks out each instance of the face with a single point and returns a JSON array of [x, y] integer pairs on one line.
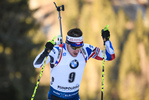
[[74, 53]]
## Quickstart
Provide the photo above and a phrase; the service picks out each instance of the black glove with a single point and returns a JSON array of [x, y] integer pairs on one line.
[[105, 34], [48, 47]]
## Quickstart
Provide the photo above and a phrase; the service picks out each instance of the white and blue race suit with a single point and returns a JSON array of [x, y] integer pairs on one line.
[[67, 71]]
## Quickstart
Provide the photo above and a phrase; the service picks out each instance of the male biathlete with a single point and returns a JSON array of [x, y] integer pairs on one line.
[[67, 62]]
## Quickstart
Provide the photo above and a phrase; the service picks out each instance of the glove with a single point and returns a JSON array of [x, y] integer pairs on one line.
[[105, 33], [49, 46]]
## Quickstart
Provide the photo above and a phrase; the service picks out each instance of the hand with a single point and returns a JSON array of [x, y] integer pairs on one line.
[[49, 46], [105, 35]]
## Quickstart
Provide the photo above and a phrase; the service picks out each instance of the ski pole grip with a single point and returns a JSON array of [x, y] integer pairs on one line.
[[106, 28]]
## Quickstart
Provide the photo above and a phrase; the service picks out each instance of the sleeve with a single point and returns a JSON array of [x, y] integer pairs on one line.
[[109, 52], [40, 58], [96, 53]]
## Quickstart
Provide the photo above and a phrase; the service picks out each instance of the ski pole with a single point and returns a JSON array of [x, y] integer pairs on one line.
[[32, 98], [103, 64], [59, 8]]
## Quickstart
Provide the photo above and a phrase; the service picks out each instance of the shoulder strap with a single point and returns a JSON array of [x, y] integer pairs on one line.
[[60, 52]]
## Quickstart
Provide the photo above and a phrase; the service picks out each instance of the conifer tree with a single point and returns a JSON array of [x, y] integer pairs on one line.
[[17, 49], [129, 68]]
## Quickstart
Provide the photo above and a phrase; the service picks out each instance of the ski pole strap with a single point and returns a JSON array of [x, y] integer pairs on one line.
[[52, 41], [32, 98]]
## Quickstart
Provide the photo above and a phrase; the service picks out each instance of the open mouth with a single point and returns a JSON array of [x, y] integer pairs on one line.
[[75, 54]]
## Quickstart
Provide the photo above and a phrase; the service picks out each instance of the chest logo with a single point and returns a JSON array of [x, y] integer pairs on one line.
[[74, 64]]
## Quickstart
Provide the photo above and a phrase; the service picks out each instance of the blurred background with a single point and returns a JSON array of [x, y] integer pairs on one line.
[[26, 25]]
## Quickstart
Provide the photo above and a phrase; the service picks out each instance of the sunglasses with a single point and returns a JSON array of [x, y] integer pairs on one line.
[[75, 48]]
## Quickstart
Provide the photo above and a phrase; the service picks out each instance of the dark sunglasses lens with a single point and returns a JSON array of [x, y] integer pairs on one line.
[[75, 48]]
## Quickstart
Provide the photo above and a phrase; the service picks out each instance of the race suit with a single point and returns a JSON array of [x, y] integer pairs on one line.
[[66, 70]]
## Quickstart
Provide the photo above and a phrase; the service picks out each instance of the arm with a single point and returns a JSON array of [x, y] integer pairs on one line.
[[39, 60], [109, 51], [96, 53]]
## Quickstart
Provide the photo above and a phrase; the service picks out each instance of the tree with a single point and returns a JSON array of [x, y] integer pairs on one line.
[[17, 50]]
